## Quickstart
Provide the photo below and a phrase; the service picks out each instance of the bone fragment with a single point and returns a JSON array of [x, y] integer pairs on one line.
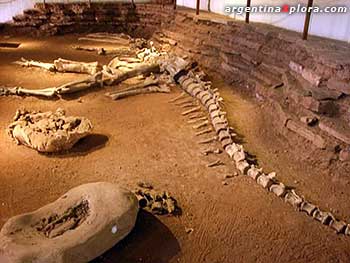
[[208, 130], [215, 163], [196, 120], [213, 151], [191, 110], [201, 125], [183, 94], [209, 140]]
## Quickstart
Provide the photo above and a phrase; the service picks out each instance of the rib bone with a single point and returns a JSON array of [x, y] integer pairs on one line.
[[209, 140], [200, 125], [149, 89], [215, 163], [208, 130], [191, 110]]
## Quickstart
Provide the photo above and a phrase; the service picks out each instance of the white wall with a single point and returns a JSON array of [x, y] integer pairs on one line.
[[336, 26], [9, 8]]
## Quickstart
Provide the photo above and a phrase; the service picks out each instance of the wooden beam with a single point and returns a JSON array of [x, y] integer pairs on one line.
[[197, 8], [247, 13], [175, 4], [307, 19]]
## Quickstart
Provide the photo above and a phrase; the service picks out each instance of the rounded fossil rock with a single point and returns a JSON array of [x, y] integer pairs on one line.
[[48, 131], [78, 227]]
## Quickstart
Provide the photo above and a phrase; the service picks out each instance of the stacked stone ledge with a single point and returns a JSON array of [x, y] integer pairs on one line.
[[59, 18], [277, 67]]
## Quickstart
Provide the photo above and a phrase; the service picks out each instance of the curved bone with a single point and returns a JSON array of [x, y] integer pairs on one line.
[[146, 90], [147, 82], [208, 130], [215, 163], [191, 110]]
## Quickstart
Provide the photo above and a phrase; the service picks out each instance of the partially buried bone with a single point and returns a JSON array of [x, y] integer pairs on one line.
[[218, 162], [208, 130], [148, 89], [191, 110], [201, 125]]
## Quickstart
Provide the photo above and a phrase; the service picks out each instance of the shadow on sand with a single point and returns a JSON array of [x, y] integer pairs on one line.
[[149, 242], [84, 146]]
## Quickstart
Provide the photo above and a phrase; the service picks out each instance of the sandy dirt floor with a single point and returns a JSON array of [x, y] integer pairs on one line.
[[145, 138]]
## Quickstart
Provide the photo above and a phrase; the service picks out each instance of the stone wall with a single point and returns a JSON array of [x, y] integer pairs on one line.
[[57, 18], [306, 83]]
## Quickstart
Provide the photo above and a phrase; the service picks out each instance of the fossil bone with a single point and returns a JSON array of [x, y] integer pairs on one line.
[[196, 120], [208, 140], [32, 63], [213, 151], [71, 87], [191, 110], [218, 162], [242, 166], [180, 103], [181, 96], [147, 82], [144, 68], [293, 199], [201, 125], [188, 105], [145, 90], [196, 115], [63, 65], [208, 130], [278, 189]]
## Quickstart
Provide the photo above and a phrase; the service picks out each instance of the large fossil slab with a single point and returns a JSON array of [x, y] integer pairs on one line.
[[78, 227], [48, 131]]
